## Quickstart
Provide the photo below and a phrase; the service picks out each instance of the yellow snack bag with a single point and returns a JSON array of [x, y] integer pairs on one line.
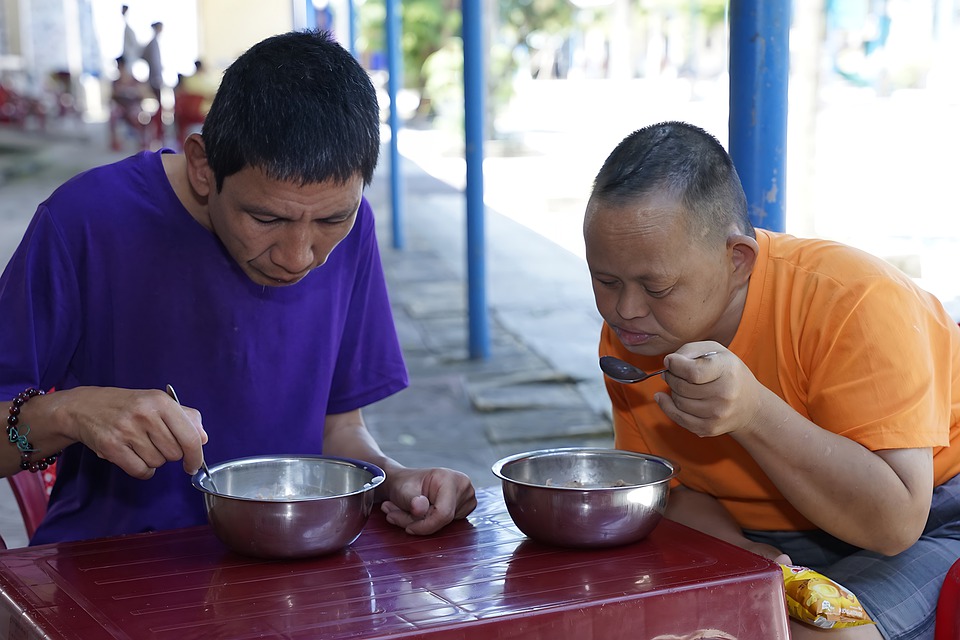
[[816, 599]]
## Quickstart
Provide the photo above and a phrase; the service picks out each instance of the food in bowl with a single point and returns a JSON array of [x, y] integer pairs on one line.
[[289, 506], [585, 497]]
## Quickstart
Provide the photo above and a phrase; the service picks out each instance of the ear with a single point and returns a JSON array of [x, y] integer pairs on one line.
[[742, 251], [201, 177]]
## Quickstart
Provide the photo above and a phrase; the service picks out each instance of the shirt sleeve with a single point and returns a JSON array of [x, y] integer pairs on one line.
[[370, 363], [39, 295], [879, 366]]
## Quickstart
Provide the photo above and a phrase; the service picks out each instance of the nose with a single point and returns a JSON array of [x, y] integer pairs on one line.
[[296, 251], [632, 304]]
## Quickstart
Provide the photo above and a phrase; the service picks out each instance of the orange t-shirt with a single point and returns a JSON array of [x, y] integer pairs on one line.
[[845, 339]]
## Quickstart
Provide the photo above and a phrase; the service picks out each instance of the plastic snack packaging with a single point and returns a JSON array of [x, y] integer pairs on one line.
[[817, 600]]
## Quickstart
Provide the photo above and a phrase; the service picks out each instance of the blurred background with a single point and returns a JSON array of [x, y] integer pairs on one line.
[[873, 121]]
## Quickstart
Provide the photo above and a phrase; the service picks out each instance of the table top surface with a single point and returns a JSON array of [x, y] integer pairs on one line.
[[477, 578]]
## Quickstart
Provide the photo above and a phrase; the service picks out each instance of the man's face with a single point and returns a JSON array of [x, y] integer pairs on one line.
[[279, 231], [656, 285]]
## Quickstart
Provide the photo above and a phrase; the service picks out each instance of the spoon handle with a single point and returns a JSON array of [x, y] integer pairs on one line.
[[702, 355], [203, 463]]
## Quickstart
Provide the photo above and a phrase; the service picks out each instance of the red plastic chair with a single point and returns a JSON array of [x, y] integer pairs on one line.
[[32, 492], [948, 606]]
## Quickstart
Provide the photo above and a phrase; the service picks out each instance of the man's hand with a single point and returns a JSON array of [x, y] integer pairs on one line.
[[423, 501], [709, 396], [137, 430]]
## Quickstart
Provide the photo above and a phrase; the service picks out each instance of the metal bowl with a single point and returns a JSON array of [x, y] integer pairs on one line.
[[585, 497], [289, 506]]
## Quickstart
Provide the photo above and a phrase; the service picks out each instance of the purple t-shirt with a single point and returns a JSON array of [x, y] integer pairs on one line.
[[115, 284]]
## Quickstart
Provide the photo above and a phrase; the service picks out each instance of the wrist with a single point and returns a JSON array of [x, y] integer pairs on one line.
[[18, 430], [765, 413]]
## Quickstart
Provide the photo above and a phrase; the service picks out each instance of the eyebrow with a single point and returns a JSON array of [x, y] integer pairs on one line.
[[260, 211]]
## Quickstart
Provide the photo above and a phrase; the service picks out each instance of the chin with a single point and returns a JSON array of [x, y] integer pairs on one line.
[[647, 350], [263, 279], [653, 347]]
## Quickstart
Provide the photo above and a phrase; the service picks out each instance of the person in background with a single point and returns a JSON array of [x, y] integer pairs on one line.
[[245, 272], [126, 107], [151, 53], [825, 431], [200, 83], [132, 50], [193, 96]]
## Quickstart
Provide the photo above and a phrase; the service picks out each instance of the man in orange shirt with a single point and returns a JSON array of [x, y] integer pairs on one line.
[[819, 433]]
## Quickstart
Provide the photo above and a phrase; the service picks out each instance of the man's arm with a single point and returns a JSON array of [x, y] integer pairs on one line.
[[874, 500], [705, 513], [877, 500], [138, 430]]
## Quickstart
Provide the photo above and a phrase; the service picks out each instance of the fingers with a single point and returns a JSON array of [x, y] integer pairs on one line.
[[419, 506], [187, 430], [710, 396], [690, 367], [430, 521], [444, 511], [433, 499], [132, 464], [175, 436], [139, 431]]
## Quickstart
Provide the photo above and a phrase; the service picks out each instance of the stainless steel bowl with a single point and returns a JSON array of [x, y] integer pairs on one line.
[[289, 506], [585, 497]]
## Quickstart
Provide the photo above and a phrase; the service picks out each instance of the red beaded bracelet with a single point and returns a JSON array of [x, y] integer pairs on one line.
[[19, 440]]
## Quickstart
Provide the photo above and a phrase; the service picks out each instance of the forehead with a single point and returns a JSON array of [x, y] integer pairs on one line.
[[646, 239], [656, 215], [252, 188]]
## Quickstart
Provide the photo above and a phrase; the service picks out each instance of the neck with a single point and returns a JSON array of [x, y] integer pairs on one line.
[[726, 329]]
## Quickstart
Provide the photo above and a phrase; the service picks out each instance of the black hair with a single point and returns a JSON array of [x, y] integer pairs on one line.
[[685, 161], [297, 106]]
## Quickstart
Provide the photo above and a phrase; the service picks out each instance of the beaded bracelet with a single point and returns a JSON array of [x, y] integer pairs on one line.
[[19, 440]]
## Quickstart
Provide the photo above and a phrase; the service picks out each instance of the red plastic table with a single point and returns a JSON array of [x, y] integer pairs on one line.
[[477, 579]]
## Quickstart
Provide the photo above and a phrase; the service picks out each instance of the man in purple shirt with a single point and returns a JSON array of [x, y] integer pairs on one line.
[[245, 273]]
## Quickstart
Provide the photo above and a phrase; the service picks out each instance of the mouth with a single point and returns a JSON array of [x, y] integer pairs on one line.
[[265, 279], [633, 338]]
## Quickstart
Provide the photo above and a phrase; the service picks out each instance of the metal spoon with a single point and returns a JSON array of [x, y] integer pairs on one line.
[[627, 373], [203, 463]]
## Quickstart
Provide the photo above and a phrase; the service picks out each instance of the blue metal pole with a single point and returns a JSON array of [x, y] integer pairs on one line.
[[759, 76], [474, 99], [310, 15], [394, 84], [352, 26]]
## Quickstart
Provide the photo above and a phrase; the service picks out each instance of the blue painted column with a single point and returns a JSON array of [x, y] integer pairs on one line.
[[394, 84], [310, 14], [474, 99], [352, 26], [759, 77]]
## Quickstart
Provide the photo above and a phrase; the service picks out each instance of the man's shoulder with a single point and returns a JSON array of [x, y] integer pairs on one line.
[[105, 192], [818, 257]]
